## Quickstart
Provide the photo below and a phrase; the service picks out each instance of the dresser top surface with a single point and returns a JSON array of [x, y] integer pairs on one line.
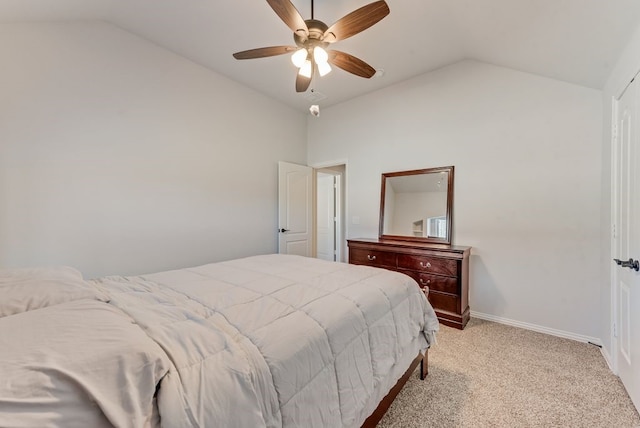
[[411, 244]]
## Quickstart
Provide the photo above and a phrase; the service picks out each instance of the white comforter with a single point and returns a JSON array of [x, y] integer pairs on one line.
[[264, 341]]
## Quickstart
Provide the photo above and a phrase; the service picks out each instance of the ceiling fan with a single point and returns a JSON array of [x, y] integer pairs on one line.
[[312, 37]]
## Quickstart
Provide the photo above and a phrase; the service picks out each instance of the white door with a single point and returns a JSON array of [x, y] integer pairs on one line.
[[295, 204], [326, 216], [627, 240]]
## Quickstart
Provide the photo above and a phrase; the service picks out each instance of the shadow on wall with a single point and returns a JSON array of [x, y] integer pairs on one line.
[[484, 295]]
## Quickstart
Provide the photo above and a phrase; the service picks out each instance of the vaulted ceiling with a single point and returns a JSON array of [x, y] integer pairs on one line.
[[576, 41]]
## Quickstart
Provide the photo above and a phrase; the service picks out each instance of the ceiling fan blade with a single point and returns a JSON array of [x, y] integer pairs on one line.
[[302, 82], [356, 21], [290, 15], [264, 52], [351, 64]]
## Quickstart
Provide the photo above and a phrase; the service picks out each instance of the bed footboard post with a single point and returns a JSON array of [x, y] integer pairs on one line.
[[424, 365]]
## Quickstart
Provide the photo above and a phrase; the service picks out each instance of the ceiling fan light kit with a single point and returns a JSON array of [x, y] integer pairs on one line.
[[323, 68], [301, 60], [306, 70], [313, 37], [299, 57]]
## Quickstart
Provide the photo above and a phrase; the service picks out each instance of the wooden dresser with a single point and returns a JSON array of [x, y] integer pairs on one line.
[[444, 269]]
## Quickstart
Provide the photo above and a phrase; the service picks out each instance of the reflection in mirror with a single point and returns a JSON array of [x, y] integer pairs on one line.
[[416, 205]]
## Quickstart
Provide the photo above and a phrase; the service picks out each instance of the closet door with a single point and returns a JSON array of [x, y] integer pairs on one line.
[[627, 240]]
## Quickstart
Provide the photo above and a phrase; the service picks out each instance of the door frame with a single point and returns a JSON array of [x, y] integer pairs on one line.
[[613, 273], [333, 192], [342, 225]]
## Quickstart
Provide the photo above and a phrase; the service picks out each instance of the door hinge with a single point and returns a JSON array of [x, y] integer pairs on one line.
[[615, 330], [613, 231], [615, 130]]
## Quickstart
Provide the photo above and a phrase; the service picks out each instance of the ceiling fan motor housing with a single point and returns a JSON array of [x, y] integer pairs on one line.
[[316, 33]]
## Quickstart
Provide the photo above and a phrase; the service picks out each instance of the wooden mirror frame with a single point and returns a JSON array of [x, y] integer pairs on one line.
[[448, 215]]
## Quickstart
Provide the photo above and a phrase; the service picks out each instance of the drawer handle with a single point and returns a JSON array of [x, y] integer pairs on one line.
[[427, 282], [422, 265], [370, 257]]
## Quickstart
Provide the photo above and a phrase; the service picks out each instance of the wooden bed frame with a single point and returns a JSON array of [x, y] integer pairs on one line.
[[384, 405]]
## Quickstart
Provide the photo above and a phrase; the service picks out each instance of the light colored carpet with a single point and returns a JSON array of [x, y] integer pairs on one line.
[[492, 375]]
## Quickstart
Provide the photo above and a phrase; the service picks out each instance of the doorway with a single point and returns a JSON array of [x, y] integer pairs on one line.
[[330, 243]]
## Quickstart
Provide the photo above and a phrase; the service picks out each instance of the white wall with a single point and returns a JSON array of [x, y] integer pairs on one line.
[[119, 157], [527, 153], [627, 66]]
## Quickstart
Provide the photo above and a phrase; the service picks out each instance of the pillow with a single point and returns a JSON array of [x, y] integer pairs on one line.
[[26, 289]]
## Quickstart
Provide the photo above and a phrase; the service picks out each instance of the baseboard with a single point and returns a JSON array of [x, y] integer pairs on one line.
[[607, 359], [539, 329]]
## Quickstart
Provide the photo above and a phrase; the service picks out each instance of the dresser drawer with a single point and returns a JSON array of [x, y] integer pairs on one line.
[[372, 258], [428, 264], [446, 284], [443, 302]]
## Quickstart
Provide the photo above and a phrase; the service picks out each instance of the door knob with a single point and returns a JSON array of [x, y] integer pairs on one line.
[[631, 264], [283, 230]]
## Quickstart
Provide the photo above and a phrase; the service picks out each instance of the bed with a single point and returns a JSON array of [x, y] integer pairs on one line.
[[264, 341]]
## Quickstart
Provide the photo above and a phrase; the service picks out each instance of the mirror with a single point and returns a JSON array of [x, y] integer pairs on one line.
[[417, 205]]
